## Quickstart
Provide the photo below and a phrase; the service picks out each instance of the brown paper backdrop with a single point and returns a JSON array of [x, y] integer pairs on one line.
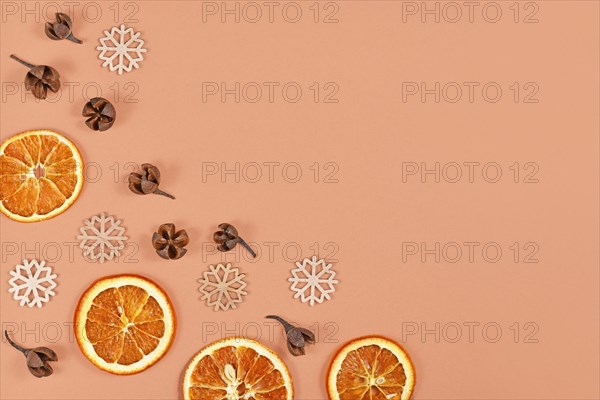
[[522, 324]]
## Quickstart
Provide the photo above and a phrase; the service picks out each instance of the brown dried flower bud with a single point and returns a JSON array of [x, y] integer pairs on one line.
[[61, 29], [147, 182], [37, 358], [169, 243], [227, 238], [297, 337], [40, 79], [100, 113]]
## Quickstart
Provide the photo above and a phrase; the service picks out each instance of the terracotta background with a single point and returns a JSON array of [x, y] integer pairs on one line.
[[367, 215]]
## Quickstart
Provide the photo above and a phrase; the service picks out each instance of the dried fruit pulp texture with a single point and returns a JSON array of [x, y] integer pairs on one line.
[[124, 324], [38, 173], [237, 373], [371, 373]]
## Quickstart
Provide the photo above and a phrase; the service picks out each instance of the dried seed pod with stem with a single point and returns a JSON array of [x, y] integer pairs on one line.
[[100, 113], [169, 243], [227, 238], [40, 79], [147, 182], [61, 29], [297, 337], [37, 358]]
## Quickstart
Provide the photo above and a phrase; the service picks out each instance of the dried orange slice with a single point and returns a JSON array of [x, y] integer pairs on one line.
[[237, 368], [124, 324], [41, 175], [371, 368]]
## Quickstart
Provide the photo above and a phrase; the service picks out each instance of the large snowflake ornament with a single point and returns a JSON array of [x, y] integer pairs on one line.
[[102, 238], [313, 281], [121, 49], [222, 287], [32, 283]]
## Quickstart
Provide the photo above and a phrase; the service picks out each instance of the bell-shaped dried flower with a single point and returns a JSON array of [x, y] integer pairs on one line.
[[100, 113], [147, 182], [227, 238], [61, 29], [37, 358], [169, 243], [40, 79], [297, 337]]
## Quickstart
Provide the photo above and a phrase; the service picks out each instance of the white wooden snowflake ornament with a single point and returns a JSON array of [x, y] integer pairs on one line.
[[102, 238], [222, 287], [32, 283], [121, 49], [313, 281]]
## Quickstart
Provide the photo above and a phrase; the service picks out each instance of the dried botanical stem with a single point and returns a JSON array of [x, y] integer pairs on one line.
[[243, 243], [25, 63], [16, 346], [74, 39], [158, 191], [286, 325]]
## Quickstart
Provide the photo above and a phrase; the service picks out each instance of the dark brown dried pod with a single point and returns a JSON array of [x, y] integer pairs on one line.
[[40, 79], [147, 182], [297, 337], [169, 243], [61, 29], [227, 238], [37, 358], [100, 113]]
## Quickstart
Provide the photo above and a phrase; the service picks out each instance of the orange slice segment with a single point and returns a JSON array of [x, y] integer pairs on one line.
[[371, 368], [41, 175], [124, 324], [237, 368]]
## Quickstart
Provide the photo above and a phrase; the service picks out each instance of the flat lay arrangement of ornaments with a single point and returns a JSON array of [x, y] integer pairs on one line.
[[202, 205]]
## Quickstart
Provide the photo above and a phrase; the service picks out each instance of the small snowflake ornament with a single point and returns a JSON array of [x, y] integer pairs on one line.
[[32, 283], [313, 281], [222, 287], [102, 238], [121, 49]]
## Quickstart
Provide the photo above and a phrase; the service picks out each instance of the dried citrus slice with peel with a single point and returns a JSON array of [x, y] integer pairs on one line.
[[237, 368], [124, 323], [371, 368], [41, 175]]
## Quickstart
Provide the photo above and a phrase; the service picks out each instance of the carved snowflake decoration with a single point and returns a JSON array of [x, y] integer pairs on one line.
[[222, 287], [313, 281], [121, 49], [32, 283], [102, 238]]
